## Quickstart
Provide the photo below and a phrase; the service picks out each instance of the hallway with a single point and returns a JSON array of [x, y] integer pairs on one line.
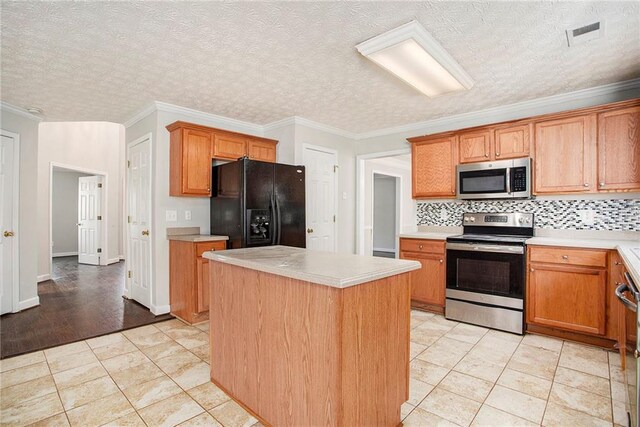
[[79, 302]]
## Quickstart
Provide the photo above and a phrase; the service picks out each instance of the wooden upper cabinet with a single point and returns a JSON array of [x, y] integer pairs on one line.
[[261, 150], [190, 163], [619, 149], [564, 155], [229, 146], [433, 163], [475, 146], [512, 142], [194, 146]]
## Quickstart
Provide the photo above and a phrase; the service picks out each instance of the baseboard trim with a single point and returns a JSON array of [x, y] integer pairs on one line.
[[28, 303], [160, 309], [121, 257], [113, 260], [44, 277], [59, 254], [384, 250]]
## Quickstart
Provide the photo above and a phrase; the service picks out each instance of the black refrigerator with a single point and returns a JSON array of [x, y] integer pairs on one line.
[[258, 204]]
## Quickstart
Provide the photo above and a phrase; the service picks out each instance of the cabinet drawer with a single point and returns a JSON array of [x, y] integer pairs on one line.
[[210, 246], [571, 256], [422, 245]]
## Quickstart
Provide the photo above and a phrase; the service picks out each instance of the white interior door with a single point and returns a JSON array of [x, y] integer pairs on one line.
[[320, 198], [139, 217], [8, 216], [89, 217]]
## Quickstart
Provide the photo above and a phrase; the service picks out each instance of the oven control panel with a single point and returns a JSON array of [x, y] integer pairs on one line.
[[511, 219]]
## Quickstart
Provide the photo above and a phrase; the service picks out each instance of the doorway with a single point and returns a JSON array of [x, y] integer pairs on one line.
[[386, 215], [9, 200], [321, 165]]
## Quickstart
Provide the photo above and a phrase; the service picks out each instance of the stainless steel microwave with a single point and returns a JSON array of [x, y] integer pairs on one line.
[[502, 179]]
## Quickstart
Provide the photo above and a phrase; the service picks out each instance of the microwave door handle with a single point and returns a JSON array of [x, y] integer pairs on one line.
[[623, 287], [508, 178]]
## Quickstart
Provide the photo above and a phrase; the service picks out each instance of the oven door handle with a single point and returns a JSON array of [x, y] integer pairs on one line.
[[485, 248], [623, 287]]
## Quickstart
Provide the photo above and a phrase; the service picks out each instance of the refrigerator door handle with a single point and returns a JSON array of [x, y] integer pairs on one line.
[[273, 226], [277, 221]]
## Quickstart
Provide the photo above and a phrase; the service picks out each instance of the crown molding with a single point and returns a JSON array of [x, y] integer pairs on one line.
[[519, 110], [19, 111]]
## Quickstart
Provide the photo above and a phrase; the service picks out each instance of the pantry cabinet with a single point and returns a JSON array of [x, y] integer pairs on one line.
[[565, 151], [193, 147], [567, 289], [428, 283], [433, 164], [189, 280], [619, 150]]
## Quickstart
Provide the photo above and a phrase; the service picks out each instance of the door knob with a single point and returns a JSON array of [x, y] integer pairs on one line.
[[79, 224], [8, 234], [145, 232], [309, 230]]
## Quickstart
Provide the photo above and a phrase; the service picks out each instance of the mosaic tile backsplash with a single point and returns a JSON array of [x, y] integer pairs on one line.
[[610, 215]]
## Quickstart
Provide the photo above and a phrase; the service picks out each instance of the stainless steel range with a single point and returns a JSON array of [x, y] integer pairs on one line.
[[486, 270]]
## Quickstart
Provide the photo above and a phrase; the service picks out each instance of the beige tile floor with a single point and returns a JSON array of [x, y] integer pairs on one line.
[[158, 375]]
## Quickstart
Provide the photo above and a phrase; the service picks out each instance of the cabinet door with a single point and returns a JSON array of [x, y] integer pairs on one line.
[[202, 290], [566, 297], [619, 150], [512, 142], [434, 167], [196, 162], [615, 309], [229, 147], [427, 284], [261, 150], [565, 155], [474, 147]]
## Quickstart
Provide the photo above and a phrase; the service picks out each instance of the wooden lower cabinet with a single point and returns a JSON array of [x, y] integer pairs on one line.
[[566, 296], [189, 279], [428, 283]]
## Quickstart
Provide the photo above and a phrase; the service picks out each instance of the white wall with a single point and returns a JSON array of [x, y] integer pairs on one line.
[[64, 212], [27, 128], [89, 146], [384, 213]]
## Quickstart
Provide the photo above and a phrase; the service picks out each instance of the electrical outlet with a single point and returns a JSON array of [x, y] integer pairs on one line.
[[587, 216], [171, 216], [444, 215], [187, 215]]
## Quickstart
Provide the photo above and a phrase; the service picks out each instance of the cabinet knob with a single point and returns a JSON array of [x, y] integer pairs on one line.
[[531, 270], [486, 155], [420, 246], [586, 184], [602, 184], [565, 256], [441, 261], [617, 263], [497, 154]]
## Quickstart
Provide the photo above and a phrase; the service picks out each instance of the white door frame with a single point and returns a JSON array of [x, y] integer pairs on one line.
[[15, 220], [104, 260], [326, 150], [360, 176], [127, 261], [399, 209]]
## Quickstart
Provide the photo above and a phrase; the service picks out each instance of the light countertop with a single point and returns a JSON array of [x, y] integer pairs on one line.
[[427, 235], [324, 268], [630, 254], [574, 243], [198, 238]]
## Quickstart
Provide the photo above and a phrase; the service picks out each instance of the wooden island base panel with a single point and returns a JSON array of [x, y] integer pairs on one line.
[[297, 353]]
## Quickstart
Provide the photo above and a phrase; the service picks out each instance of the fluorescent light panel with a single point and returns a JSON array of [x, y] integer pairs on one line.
[[413, 55]]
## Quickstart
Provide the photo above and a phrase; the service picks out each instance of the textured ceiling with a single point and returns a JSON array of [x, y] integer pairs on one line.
[[262, 62]]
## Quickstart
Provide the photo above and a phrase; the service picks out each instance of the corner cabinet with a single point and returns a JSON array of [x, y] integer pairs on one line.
[[189, 280], [567, 289], [193, 147], [427, 283], [619, 150], [433, 165]]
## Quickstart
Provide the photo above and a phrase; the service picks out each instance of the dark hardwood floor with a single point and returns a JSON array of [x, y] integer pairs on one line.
[[79, 302]]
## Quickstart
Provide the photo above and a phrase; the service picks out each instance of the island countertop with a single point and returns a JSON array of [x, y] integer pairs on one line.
[[324, 268]]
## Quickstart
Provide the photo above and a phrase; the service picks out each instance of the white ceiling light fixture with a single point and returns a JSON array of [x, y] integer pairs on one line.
[[414, 56]]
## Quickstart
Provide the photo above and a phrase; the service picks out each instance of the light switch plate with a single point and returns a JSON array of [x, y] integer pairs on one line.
[[172, 216], [587, 216]]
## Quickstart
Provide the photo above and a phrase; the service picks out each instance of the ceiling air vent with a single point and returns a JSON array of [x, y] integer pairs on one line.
[[585, 33]]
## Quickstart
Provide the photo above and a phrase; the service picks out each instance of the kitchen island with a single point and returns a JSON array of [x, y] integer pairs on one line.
[[300, 337]]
